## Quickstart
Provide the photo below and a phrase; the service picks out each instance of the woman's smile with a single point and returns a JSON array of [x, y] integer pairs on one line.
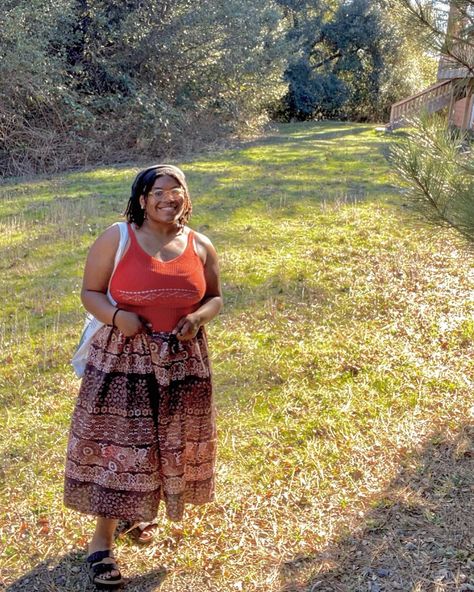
[[168, 210]]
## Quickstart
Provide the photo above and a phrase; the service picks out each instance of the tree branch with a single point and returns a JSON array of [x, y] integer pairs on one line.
[[331, 58]]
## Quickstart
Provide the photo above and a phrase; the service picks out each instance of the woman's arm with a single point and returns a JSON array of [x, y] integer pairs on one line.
[[97, 273], [212, 302]]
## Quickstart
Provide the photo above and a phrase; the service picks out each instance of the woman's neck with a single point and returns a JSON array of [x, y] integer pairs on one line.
[[162, 229]]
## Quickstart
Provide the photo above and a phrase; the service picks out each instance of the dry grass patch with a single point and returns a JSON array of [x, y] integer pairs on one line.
[[343, 371]]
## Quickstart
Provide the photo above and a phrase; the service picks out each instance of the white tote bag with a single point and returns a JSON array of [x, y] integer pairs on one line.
[[91, 324]]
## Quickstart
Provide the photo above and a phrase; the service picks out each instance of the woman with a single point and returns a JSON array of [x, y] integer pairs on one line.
[[143, 429]]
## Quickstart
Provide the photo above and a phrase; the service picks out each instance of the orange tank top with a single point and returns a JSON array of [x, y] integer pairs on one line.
[[159, 291]]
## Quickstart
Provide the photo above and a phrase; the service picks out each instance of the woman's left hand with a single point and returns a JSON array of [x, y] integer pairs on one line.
[[187, 327]]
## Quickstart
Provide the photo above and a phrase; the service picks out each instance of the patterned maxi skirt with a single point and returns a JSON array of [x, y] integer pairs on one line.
[[143, 429]]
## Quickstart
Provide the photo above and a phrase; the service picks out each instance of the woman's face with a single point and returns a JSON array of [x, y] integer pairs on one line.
[[165, 201]]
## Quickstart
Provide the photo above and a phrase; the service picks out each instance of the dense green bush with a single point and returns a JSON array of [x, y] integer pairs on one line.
[[84, 80], [355, 59], [89, 81]]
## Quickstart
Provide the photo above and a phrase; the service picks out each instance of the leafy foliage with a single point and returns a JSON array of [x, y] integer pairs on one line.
[[444, 26], [106, 81], [353, 62], [85, 81], [437, 168], [436, 163]]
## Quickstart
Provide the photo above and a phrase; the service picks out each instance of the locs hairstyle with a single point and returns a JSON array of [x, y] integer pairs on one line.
[[142, 186]]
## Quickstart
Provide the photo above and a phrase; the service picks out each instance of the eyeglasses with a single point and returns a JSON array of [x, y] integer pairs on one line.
[[176, 192]]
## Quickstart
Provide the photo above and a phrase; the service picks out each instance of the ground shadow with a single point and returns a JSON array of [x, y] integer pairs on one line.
[[318, 130], [68, 574], [418, 535]]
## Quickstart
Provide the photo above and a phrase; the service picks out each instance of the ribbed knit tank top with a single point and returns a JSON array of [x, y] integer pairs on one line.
[[159, 291]]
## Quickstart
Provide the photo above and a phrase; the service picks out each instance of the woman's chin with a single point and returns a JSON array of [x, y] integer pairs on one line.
[[165, 219]]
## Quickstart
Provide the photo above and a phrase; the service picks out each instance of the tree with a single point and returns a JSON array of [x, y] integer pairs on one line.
[[444, 26], [437, 170], [353, 61], [32, 88], [435, 163], [104, 81]]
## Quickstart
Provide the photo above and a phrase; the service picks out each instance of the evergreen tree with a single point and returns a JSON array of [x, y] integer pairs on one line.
[[435, 163], [436, 168]]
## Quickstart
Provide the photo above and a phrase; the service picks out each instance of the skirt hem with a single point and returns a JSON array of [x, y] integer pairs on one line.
[[135, 518]]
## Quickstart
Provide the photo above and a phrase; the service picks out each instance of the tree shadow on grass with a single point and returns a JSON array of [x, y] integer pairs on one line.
[[418, 536], [68, 574], [309, 131]]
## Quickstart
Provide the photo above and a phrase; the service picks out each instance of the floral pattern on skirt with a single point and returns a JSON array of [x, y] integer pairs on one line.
[[143, 429]]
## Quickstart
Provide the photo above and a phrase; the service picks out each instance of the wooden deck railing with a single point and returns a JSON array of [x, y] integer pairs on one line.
[[431, 99], [450, 68]]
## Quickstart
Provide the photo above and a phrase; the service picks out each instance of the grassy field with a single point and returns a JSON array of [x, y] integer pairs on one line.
[[343, 366]]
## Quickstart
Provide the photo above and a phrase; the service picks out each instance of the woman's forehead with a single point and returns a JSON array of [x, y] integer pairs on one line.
[[166, 181]]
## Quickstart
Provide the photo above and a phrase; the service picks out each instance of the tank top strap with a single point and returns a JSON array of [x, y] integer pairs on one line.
[[190, 243], [131, 232]]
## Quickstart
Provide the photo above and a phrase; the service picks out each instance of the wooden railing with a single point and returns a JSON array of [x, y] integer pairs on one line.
[[449, 68], [431, 99], [457, 55]]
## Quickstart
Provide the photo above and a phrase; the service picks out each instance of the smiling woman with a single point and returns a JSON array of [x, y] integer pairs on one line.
[[143, 429]]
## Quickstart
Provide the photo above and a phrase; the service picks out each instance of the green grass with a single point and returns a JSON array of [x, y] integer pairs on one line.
[[346, 340]]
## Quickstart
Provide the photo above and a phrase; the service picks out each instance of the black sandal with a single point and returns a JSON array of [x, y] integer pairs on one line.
[[100, 571]]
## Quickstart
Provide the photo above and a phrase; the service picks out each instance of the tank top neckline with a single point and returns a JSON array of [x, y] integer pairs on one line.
[[142, 250]]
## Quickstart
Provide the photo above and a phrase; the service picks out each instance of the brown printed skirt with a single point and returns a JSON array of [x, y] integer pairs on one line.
[[143, 429]]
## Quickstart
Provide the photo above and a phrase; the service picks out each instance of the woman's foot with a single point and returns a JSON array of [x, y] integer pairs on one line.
[[101, 562], [141, 532], [103, 570]]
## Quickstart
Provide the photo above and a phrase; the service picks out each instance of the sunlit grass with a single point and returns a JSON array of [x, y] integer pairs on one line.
[[347, 336]]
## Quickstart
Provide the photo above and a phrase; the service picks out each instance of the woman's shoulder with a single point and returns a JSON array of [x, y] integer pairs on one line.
[[109, 239], [200, 238], [204, 247]]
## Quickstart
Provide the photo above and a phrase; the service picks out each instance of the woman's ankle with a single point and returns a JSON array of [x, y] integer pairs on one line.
[[100, 544], [103, 537]]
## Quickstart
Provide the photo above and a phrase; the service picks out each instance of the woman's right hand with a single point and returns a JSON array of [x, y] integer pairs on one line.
[[129, 323]]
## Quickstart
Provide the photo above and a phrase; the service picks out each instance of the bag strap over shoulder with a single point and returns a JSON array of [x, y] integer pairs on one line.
[[123, 227], [92, 325]]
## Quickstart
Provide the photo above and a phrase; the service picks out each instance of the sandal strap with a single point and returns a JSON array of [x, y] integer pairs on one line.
[[99, 555], [100, 569], [141, 526]]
